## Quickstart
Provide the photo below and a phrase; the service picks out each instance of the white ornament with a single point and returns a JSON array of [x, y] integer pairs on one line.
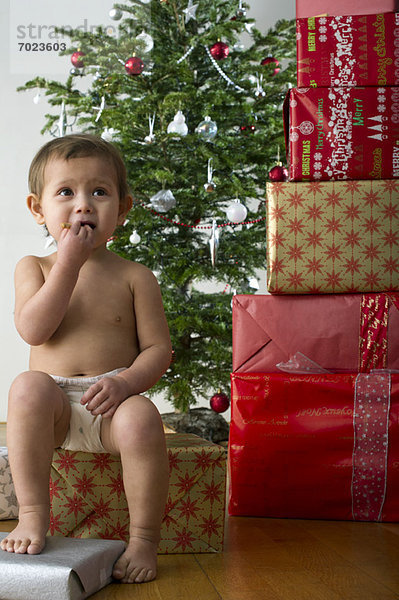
[[150, 137], [135, 238], [109, 134], [36, 99], [115, 14], [147, 39], [178, 125], [190, 11], [236, 212], [163, 201], [214, 243]]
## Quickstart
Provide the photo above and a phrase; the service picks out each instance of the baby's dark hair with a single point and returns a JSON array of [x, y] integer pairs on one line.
[[77, 145]]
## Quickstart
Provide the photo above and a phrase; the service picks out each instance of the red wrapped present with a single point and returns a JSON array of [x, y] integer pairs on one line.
[[342, 133], [361, 332], [315, 446], [348, 50], [332, 237], [312, 8], [88, 498]]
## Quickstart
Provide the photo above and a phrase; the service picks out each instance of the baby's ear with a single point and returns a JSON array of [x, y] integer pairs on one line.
[[124, 206], [35, 207]]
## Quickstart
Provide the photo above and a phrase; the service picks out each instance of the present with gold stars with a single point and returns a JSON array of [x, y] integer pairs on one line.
[[88, 499]]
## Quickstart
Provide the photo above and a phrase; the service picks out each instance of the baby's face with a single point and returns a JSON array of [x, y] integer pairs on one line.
[[84, 190]]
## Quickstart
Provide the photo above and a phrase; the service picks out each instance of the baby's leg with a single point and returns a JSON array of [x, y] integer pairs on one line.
[[38, 420], [136, 433]]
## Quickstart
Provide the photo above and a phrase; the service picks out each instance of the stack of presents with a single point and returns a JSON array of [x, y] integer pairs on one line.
[[315, 382]]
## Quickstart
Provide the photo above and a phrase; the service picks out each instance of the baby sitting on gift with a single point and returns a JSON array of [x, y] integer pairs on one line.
[[99, 339]]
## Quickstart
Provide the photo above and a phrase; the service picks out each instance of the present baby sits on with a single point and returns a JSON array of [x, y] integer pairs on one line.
[[99, 339]]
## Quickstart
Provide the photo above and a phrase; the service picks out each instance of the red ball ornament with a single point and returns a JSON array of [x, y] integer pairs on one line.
[[219, 51], [134, 65], [219, 402], [76, 59], [270, 60], [278, 173]]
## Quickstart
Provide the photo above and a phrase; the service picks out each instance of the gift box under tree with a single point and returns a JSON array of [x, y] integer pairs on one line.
[[315, 446], [332, 237], [342, 133], [88, 499], [348, 50], [312, 8]]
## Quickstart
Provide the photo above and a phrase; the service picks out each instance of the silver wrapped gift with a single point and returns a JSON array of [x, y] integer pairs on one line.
[[67, 569]]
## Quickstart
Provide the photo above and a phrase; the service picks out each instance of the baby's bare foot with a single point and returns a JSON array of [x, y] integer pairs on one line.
[[29, 536], [138, 564]]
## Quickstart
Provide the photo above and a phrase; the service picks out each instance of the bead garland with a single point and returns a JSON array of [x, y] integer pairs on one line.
[[229, 224]]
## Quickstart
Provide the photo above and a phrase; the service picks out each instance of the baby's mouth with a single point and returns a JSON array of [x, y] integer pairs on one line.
[[83, 223]]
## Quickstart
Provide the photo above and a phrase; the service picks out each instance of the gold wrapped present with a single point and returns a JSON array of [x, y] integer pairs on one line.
[[332, 237], [88, 499]]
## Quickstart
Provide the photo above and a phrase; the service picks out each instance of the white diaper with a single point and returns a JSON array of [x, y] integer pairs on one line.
[[84, 431]]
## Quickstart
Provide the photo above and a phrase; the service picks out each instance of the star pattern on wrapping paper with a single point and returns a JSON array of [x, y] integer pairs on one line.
[[314, 212], [391, 211], [168, 519], [186, 482], [391, 185], [277, 266], [372, 281], [333, 280], [390, 238], [74, 505], [315, 265], [371, 198], [213, 492], [101, 462], [55, 488], [352, 265], [333, 199], [210, 526], [67, 462], [276, 213], [333, 252], [203, 460], [189, 508], [55, 523], [84, 485], [174, 461], [314, 239], [352, 212], [371, 252], [116, 485], [295, 226], [391, 265], [352, 186], [295, 252], [352, 239], [183, 539], [102, 509], [295, 279], [277, 239], [118, 532], [371, 225], [333, 225], [295, 200]]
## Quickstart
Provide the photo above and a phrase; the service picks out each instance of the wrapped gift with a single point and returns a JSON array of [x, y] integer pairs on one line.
[[348, 50], [66, 570], [315, 446], [8, 499], [332, 237], [342, 133], [312, 8], [361, 332], [88, 499]]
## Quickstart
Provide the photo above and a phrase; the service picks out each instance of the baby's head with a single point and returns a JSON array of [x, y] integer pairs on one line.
[[79, 145]]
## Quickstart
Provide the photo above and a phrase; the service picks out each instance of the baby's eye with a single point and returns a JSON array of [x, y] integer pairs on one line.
[[99, 192], [65, 192]]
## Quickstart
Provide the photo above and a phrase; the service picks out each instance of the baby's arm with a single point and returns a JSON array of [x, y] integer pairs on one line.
[[155, 350], [40, 305]]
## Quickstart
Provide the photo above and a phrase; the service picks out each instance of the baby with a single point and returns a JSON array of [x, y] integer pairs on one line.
[[99, 338]]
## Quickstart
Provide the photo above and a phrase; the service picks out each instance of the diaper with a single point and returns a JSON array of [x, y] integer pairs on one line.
[[84, 431]]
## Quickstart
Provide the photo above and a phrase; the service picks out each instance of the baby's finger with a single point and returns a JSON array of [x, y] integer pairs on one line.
[[91, 392]]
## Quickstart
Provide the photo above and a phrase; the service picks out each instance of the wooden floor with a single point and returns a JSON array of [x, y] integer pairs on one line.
[[278, 559]]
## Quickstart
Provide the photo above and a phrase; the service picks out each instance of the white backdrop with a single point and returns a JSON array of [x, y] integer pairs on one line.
[[21, 120]]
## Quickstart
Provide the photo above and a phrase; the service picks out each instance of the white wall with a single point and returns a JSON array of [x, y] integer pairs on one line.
[[20, 124]]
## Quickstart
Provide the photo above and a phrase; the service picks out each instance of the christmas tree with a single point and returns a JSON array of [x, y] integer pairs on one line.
[[196, 113]]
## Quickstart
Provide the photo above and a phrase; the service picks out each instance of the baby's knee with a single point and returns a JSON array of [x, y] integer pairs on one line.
[[30, 387], [139, 415]]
